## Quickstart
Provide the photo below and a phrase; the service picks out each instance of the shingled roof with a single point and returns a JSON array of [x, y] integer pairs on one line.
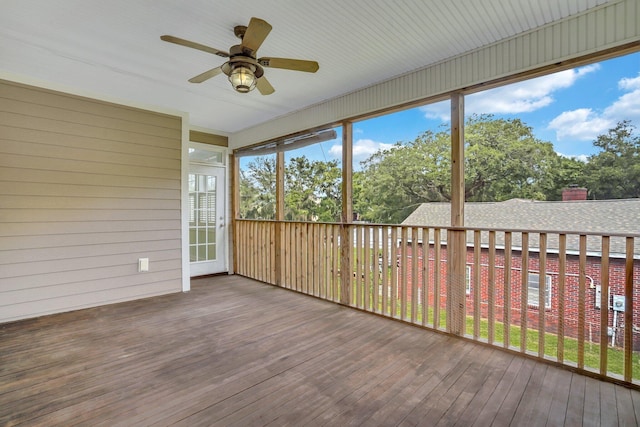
[[575, 217]]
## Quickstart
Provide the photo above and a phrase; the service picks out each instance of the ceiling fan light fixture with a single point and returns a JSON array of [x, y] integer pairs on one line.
[[242, 78]]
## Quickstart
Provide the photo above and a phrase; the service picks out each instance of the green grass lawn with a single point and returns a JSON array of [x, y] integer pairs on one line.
[[615, 356]]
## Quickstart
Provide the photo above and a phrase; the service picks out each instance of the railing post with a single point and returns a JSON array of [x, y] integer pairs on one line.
[[456, 239], [234, 161], [346, 233], [279, 229]]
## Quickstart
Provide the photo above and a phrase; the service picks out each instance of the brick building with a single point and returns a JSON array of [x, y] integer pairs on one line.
[[572, 217]]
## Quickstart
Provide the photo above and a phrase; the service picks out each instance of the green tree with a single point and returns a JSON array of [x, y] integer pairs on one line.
[[503, 160], [570, 171], [614, 172], [258, 189], [312, 190]]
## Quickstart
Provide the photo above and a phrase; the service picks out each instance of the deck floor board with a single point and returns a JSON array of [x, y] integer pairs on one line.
[[235, 352]]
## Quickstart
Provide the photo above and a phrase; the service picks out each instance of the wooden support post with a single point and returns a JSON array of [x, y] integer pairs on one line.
[[346, 233], [279, 231], [456, 241], [234, 161]]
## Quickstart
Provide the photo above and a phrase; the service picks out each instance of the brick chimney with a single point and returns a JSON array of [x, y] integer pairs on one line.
[[574, 193]]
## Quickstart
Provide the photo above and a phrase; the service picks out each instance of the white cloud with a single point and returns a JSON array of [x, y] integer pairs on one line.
[[586, 124], [581, 124], [362, 149], [629, 83], [522, 97], [336, 151], [439, 110], [626, 107]]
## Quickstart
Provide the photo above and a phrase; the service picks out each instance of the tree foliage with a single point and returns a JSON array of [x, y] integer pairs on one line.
[[312, 189], [614, 172], [258, 189], [503, 160]]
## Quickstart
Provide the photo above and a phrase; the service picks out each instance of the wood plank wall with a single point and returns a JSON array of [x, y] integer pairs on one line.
[[86, 188]]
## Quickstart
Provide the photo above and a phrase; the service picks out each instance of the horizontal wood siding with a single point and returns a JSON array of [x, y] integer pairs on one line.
[[609, 26], [86, 188]]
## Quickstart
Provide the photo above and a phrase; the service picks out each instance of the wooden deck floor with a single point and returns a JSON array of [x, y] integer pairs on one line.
[[236, 352]]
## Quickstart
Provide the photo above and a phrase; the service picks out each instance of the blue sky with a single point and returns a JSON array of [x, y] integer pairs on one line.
[[569, 109]]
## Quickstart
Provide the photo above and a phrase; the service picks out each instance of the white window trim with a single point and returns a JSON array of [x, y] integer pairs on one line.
[[535, 278]]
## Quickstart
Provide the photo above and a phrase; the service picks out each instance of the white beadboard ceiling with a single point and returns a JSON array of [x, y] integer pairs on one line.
[[112, 49]]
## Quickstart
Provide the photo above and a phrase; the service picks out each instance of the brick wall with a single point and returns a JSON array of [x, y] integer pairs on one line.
[[571, 295]]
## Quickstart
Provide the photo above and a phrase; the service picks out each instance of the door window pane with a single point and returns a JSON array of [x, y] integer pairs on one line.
[[202, 217]]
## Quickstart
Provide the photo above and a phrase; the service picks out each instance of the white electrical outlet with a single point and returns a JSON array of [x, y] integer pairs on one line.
[[143, 264]]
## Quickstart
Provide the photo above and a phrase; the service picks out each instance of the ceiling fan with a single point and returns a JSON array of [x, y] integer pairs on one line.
[[244, 71]]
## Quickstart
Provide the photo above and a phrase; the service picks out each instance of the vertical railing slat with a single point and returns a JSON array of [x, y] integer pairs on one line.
[[376, 268], [436, 277], [265, 244], [394, 271], [298, 255], [255, 249], [477, 286], [315, 256], [491, 288], [425, 275], [357, 289], [582, 280], [320, 260], [604, 304], [307, 275], [524, 292], [367, 268], [507, 290], [542, 295], [335, 263], [403, 274], [414, 274], [326, 262], [628, 311], [248, 252], [385, 270], [562, 280], [272, 252]]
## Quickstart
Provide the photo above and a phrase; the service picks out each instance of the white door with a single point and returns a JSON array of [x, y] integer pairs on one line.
[[207, 228]]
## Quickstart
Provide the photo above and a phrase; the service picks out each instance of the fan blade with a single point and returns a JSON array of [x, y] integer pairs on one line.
[[290, 64], [194, 45], [264, 86], [206, 75], [257, 31]]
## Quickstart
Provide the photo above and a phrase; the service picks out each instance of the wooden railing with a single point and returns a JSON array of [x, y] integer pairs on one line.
[[542, 293]]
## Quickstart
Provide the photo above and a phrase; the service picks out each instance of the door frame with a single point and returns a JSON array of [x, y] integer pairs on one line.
[[219, 264], [186, 163]]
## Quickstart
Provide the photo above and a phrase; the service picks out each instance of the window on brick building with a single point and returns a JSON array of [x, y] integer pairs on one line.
[[468, 280], [533, 289]]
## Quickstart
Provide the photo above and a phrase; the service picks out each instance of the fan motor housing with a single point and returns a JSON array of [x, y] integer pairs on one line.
[[246, 61]]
